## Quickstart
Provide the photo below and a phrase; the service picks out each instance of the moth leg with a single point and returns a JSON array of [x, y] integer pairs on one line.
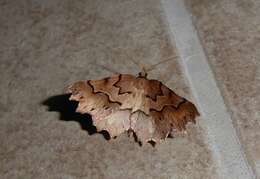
[[184, 133], [173, 133], [130, 133]]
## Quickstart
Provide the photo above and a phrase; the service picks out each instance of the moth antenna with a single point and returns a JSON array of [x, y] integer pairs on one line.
[[143, 71], [106, 68], [152, 67], [140, 65], [136, 63]]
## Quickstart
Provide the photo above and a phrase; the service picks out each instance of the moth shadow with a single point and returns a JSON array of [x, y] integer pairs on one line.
[[67, 108]]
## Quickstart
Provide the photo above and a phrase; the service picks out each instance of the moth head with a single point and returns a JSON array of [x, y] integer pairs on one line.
[[142, 74]]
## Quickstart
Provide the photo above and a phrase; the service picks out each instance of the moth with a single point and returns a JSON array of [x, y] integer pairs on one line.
[[124, 102]]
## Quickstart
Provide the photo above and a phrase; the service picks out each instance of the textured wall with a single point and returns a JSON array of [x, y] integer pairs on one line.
[[230, 33]]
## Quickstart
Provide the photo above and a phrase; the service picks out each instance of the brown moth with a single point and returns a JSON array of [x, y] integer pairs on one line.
[[124, 102]]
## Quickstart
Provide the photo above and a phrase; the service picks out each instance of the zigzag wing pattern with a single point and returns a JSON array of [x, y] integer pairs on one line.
[[125, 102]]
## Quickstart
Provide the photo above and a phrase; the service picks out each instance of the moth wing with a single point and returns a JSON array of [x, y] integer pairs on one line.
[[106, 115], [168, 113]]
